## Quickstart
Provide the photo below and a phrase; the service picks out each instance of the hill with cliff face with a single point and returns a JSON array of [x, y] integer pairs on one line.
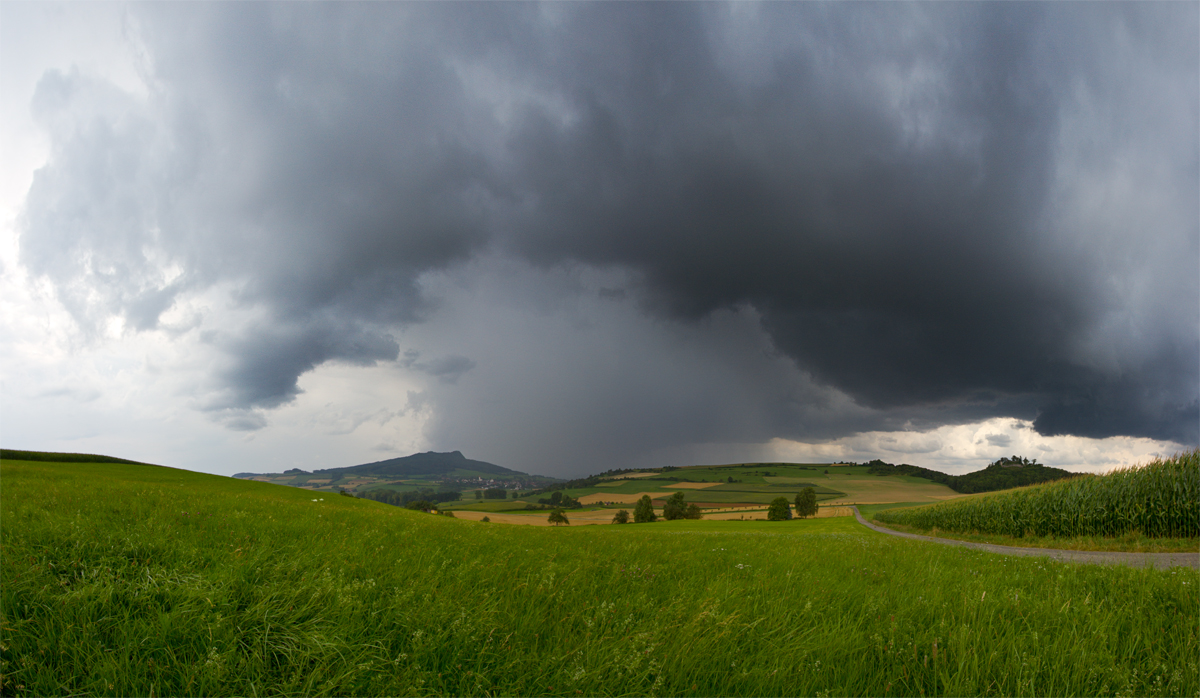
[[418, 464], [419, 469]]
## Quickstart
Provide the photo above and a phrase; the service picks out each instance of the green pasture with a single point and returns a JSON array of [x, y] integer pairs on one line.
[[126, 580], [510, 506]]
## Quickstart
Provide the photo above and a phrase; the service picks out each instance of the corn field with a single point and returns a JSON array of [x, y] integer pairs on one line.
[[1160, 499]]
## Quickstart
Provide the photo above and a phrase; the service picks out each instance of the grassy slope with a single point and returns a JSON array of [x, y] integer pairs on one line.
[[127, 580]]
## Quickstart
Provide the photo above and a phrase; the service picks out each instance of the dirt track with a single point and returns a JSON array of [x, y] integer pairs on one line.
[[1161, 561]]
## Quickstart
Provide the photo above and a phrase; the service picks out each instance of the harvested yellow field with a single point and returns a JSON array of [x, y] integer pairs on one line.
[[690, 485], [883, 490], [629, 476], [618, 497]]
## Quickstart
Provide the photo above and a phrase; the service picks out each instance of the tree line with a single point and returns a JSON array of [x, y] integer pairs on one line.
[[403, 499]]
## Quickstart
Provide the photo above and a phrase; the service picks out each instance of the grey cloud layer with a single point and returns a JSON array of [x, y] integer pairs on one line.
[[946, 211]]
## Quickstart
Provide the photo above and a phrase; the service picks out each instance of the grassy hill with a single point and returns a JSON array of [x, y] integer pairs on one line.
[[50, 457], [125, 579]]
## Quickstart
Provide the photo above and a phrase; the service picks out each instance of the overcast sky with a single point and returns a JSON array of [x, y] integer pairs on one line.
[[571, 237]]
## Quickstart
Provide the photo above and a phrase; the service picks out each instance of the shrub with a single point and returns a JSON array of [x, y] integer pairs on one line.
[[693, 512], [621, 517], [675, 508], [486, 520]]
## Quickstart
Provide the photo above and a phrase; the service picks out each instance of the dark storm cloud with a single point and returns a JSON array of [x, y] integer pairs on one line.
[[948, 211], [447, 369], [268, 361], [903, 265]]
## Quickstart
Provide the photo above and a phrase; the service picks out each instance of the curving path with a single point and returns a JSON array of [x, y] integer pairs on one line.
[[1161, 561]]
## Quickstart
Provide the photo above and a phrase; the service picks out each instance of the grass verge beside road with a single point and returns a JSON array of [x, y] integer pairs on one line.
[[1128, 543]]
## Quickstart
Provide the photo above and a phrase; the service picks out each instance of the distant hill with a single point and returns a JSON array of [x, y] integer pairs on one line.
[[425, 464], [48, 457], [428, 463], [1003, 474]]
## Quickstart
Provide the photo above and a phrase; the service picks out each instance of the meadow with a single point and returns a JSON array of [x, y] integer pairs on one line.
[[140, 580]]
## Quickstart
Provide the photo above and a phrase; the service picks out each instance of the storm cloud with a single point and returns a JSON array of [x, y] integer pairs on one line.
[[809, 219]]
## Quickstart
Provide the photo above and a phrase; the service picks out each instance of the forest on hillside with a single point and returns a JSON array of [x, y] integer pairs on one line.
[[1002, 474]]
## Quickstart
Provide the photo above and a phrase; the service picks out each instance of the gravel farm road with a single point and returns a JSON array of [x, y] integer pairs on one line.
[[1161, 561]]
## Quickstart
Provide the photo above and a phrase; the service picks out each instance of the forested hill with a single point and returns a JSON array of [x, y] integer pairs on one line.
[[1003, 474]]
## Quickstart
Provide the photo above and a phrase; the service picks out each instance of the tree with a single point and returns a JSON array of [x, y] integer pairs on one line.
[[779, 510], [693, 511], [621, 517], [558, 517], [561, 500], [806, 503], [486, 520], [478, 494], [675, 508], [643, 512]]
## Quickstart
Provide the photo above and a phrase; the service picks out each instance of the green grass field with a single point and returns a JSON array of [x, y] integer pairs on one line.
[[136, 580]]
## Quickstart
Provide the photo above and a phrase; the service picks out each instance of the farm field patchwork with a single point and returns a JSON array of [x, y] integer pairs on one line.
[[127, 580], [759, 483]]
